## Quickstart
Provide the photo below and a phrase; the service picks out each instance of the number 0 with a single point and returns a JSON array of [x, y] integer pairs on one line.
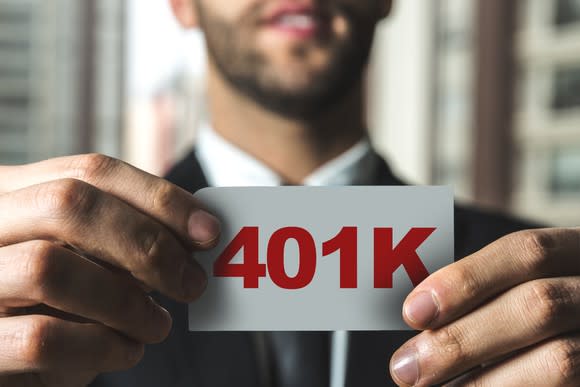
[[307, 258]]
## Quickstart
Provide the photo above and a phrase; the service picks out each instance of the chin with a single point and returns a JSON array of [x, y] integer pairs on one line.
[[291, 85], [296, 75]]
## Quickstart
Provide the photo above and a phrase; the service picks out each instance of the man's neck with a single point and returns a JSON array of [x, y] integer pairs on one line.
[[292, 148]]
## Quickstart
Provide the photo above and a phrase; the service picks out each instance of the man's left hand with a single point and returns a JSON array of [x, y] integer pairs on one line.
[[508, 315]]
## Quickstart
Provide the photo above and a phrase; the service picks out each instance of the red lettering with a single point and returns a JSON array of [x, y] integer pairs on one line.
[[251, 270], [346, 242], [388, 259], [307, 258]]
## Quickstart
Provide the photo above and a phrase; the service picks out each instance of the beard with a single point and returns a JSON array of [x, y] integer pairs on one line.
[[310, 91]]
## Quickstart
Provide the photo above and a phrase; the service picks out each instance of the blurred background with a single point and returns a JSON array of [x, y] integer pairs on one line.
[[483, 95]]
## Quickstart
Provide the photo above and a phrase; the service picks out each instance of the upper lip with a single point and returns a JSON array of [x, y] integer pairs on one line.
[[292, 7]]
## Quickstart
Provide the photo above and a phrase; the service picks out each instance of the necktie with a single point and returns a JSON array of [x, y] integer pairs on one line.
[[300, 359]]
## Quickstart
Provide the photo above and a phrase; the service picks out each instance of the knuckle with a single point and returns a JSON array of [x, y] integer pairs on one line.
[[39, 268], [69, 198], [94, 166], [545, 302], [464, 278], [163, 198], [153, 244], [564, 360], [536, 246], [34, 341], [450, 341]]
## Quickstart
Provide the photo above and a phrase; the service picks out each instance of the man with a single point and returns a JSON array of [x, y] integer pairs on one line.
[[84, 238]]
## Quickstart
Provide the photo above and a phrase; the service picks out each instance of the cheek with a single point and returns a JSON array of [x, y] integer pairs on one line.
[[293, 62]]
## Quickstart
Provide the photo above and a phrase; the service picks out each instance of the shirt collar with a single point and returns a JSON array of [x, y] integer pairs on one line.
[[225, 165]]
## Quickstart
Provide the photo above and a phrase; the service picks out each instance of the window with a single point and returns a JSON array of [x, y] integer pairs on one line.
[[14, 81], [567, 12], [565, 172], [45, 68], [547, 116], [566, 88]]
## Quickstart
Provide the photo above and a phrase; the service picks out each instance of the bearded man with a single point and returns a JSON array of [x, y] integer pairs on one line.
[[83, 238]]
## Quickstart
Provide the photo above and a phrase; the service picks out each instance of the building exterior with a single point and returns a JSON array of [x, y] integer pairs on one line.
[[61, 83], [454, 98], [547, 115], [507, 105]]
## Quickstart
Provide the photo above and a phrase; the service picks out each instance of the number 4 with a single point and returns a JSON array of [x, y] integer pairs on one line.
[[251, 270]]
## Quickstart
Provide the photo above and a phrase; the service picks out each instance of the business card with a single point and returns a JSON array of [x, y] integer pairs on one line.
[[320, 258]]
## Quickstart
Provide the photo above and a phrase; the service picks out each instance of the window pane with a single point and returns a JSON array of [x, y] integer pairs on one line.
[[565, 171], [566, 88], [567, 12]]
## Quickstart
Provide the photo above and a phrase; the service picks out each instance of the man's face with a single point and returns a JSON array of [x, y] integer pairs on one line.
[[294, 57]]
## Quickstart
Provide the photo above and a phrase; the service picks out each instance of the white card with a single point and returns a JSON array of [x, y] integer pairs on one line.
[[320, 258]]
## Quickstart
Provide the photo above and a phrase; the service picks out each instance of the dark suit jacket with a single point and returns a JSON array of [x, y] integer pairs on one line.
[[229, 359]]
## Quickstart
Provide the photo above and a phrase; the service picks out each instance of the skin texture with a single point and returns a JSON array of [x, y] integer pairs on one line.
[[508, 315], [83, 238], [296, 78]]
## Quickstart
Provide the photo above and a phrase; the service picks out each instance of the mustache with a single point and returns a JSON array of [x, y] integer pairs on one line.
[[257, 13]]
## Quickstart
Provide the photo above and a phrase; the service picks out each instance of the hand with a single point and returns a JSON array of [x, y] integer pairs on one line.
[[508, 315], [81, 240]]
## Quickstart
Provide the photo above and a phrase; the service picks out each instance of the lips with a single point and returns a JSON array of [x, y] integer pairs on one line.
[[298, 20]]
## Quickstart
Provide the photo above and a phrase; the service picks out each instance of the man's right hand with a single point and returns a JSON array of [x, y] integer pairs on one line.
[[82, 240]]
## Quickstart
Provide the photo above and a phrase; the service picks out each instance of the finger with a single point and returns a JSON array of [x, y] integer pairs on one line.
[[459, 288], [41, 272], [102, 226], [521, 317], [555, 362], [172, 206], [41, 343]]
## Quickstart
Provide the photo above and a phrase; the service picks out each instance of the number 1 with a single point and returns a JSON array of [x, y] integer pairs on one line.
[[346, 242]]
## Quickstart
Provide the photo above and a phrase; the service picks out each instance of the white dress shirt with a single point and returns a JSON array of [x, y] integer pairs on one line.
[[225, 165]]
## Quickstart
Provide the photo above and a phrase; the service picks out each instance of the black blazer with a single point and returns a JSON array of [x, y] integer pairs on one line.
[[228, 359]]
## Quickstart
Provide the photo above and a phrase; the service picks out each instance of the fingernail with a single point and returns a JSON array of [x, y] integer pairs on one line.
[[162, 318], [203, 227], [194, 281], [405, 367], [135, 353], [422, 309]]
